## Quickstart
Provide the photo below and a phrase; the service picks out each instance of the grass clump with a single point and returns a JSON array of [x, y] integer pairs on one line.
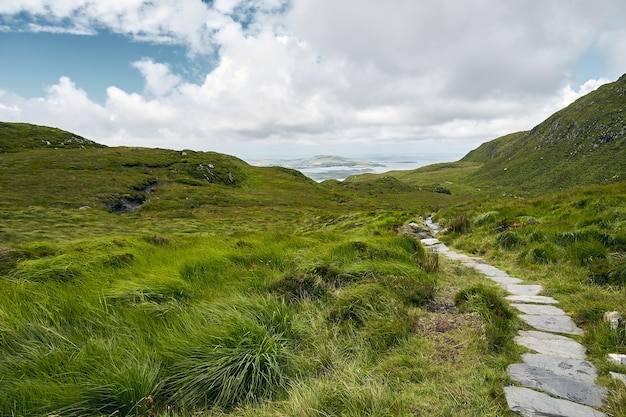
[[248, 359], [546, 253], [496, 314], [508, 240], [298, 286]]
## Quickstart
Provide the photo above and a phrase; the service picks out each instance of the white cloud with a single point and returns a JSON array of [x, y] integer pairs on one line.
[[159, 80], [323, 72]]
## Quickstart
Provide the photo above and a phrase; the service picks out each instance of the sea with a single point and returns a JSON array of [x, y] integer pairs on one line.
[[325, 167]]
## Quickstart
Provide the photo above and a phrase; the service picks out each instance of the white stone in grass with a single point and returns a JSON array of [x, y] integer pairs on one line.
[[531, 403], [613, 318], [617, 358]]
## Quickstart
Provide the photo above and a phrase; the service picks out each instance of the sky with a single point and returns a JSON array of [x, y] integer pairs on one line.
[[280, 78]]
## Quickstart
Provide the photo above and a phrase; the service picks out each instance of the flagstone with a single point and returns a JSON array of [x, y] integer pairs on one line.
[[556, 324], [577, 369], [539, 309], [524, 290], [531, 403], [551, 344], [531, 299], [557, 385]]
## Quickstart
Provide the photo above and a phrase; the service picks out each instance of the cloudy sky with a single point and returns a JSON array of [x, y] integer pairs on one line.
[[258, 78]]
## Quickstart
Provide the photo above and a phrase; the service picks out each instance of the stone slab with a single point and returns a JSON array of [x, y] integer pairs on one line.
[[524, 290], [460, 257], [440, 248], [550, 344], [504, 281], [539, 309], [429, 242], [580, 370], [531, 403], [531, 299], [489, 270], [555, 324], [558, 385]]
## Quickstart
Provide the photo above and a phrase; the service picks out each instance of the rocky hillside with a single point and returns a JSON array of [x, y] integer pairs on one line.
[[585, 143], [16, 137]]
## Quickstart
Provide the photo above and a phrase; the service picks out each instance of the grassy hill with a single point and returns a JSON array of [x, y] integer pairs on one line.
[[582, 144], [139, 282], [18, 137], [136, 281]]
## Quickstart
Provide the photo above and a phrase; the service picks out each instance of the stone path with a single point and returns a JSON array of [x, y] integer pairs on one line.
[[557, 380]]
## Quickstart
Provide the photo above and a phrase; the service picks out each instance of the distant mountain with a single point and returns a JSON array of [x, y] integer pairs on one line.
[[584, 143], [16, 137]]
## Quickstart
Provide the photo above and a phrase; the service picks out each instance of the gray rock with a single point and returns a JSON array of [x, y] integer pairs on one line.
[[617, 358], [557, 385], [533, 299], [539, 310], [577, 369], [555, 324], [550, 344], [531, 403], [524, 290]]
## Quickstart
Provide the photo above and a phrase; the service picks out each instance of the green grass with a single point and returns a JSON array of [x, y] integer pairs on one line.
[[573, 244], [225, 289]]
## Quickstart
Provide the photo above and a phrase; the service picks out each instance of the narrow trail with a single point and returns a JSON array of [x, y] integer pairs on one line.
[[556, 380]]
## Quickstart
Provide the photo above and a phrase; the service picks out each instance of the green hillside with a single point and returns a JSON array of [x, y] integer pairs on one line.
[[152, 282], [583, 144], [16, 137]]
